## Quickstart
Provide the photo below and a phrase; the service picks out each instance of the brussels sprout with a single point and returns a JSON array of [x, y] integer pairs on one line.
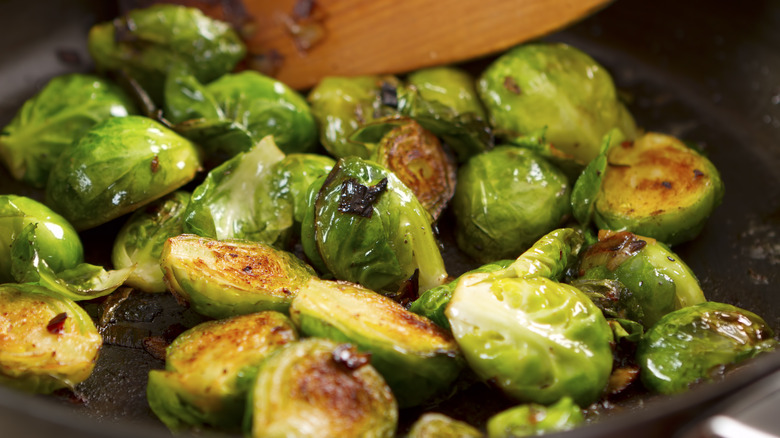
[[435, 425], [444, 101], [417, 358], [295, 173], [657, 279], [221, 279], [450, 86], [82, 282], [695, 342], [366, 226], [147, 43], [140, 241], [51, 120], [534, 338], [534, 420], [60, 246], [658, 187], [117, 166], [46, 342], [210, 368], [432, 303], [341, 105], [238, 199], [260, 104], [505, 200], [316, 388], [415, 156], [556, 92]]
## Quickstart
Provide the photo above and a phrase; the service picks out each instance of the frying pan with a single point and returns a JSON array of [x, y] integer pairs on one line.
[[707, 72]]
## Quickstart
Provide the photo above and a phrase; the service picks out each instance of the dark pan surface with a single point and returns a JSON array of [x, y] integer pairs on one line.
[[708, 72]]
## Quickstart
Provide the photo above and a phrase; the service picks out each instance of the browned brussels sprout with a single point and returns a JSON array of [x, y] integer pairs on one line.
[[210, 367], [317, 388], [226, 278], [417, 358], [658, 187], [46, 342]]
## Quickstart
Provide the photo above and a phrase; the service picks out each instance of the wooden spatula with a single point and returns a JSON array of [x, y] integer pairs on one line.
[[349, 37]]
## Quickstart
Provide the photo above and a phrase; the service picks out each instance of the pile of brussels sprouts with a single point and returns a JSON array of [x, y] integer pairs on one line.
[[305, 230]]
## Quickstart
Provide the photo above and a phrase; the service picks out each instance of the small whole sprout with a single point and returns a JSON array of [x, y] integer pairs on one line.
[[119, 165], [258, 104], [147, 43], [417, 358], [658, 187], [341, 105], [315, 388], [534, 419], [435, 425], [697, 342], [505, 200], [65, 108], [210, 368], [140, 241], [416, 157], [46, 342], [60, 246], [240, 200], [554, 92], [534, 338], [364, 225], [450, 86], [658, 281], [226, 278], [444, 101]]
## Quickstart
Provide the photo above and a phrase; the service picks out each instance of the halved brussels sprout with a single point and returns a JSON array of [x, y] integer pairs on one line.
[[505, 200], [140, 241], [221, 279], [82, 282], [533, 419], [658, 187], [432, 303], [696, 342], [364, 225], [316, 388], [147, 43], [658, 279], [536, 339], [119, 165], [210, 368], [556, 92], [239, 200], [50, 121], [341, 105], [416, 357], [435, 425], [417, 158], [46, 342], [60, 246]]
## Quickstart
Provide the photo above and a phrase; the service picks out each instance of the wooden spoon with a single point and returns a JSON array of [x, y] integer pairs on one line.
[[351, 37]]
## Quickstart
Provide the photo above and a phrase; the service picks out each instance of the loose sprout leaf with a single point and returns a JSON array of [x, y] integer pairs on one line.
[[535, 419], [588, 185]]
